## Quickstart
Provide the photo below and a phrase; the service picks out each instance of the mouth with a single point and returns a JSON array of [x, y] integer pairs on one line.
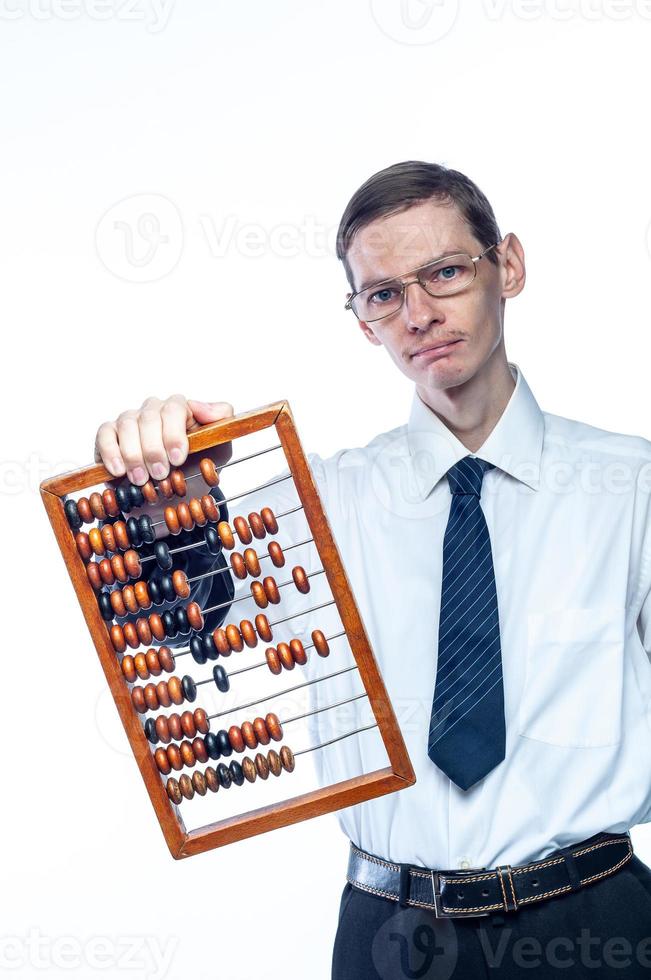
[[435, 350]]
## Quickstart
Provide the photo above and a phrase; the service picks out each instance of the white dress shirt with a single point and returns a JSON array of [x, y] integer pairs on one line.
[[567, 509]]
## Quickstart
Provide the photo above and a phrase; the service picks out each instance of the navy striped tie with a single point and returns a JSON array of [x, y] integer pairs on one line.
[[467, 730]]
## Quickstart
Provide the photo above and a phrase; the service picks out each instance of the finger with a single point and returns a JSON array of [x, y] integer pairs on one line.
[[107, 450], [150, 427], [205, 412], [128, 434], [175, 416]]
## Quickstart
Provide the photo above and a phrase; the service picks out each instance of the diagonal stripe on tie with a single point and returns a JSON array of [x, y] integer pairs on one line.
[[467, 734]]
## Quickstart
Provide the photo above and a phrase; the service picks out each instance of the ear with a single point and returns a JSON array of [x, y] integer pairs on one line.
[[514, 273], [367, 330]]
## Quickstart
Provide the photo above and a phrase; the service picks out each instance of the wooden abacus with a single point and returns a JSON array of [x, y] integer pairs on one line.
[[101, 563]]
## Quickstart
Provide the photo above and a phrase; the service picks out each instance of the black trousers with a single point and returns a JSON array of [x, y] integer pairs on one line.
[[603, 930]]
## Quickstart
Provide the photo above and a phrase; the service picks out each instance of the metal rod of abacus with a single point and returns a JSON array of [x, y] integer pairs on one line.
[[277, 694], [327, 707], [239, 598], [331, 741], [263, 663], [233, 462], [321, 605], [220, 571], [238, 496]]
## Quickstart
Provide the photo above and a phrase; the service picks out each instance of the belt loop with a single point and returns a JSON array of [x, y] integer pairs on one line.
[[403, 893], [572, 872]]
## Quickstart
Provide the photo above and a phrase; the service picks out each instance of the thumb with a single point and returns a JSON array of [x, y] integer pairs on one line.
[[205, 412]]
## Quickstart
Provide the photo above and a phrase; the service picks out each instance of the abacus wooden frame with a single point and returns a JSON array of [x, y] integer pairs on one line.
[[398, 775]]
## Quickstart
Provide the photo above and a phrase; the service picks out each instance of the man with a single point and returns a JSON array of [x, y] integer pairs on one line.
[[501, 557]]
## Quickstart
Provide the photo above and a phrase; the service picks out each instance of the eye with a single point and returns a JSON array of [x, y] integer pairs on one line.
[[384, 295], [446, 273]]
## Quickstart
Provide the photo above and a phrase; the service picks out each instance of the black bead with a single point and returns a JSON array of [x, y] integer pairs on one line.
[[197, 650], [72, 514], [137, 499], [169, 624], [147, 532], [181, 619], [150, 731], [224, 774], [167, 587], [220, 678], [209, 647], [211, 742], [133, 532], [236, 772], [123, 497], [224, 742], [189, 688], [163, 557], [154, 589], [212, 539], [105, 606]]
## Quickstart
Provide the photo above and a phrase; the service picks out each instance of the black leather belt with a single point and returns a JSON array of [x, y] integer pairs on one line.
[[482, 891]]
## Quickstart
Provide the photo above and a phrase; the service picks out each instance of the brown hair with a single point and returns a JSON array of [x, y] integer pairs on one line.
[[402, 185]]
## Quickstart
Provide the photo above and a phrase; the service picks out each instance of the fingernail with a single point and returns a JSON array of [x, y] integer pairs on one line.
[[176, 456], [139, 475], [116, 466], [158, 470]]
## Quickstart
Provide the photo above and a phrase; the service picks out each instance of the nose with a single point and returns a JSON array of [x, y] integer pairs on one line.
[[420, 308]]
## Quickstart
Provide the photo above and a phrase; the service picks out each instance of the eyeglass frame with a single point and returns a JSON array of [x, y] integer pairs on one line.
[[414, 272]]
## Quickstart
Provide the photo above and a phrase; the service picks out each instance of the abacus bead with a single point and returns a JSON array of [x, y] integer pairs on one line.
[[176, 690], [167, 587], [151, 697], [273, 660], [220, 641], [320, 643], [209, 646], [197, 650], [235, 738], [106, 571], [175, 757], [210, 508], [141, 593], [212, 779], [156, 626], [138, 700], [178, 482], [186, 752], [110, 502], [271, 589], [212, 745], [275, 764], [261, 765], [185, 516], [274, 727], [174, 790], [166, 658], [212, 539], [146, 529], [149, 492], [199, 783], [249, 736], [201, 721], [257, 525], [259, 594], [180, 583], [83, 545], [155, 591], [121, 535], [140, 663], [188, 725], [163, 763], [119, 568], [175, 726], [94, 576], [172, 521], [298, 651], [263, 628], [238, 565], [128, 668], [195, 618], [143, 630], [130, 601], [163, 557], [224, 774], [117, 603], [97, 506], [117, 638], [234, 637], [132, 563], [225, 535], [136, 495], [105, 607], [223, 742], [252, 561], [96, 543], [249, 770], [162, 692], [108, 537], [220, 678], [261, 731], [287, 758], [209, 471], [236, 772], [84, 510], [123, 498], [269, 520], [249, 634], [189, 688], [131, 635], [150, 731], [153, 663], [301, 581], [165, 488], [133, 531], [199, 750], [276, 554], [196, 511], [186, 787], [242, 530], [285, 656], [176, 621]]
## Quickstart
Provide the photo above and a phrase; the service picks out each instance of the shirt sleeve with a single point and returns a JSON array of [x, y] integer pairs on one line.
[[644, 624]]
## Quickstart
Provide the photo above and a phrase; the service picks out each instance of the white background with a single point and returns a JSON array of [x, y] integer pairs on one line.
[[243, 130]]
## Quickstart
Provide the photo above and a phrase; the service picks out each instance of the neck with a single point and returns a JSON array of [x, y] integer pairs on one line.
[[471, 410]]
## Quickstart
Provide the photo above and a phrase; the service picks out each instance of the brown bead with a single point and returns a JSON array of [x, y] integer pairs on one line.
[[188, 757], [131, 635], [175, 690], [201, 721], [83, 546], [143, 629], [273, 660], [276, 554], [83, 508], [257, 525], [165, 488], [110, 502], [261, 765], [153, 663], [209, 471], [156, 626], [94, 577], [298, 651], [249, 736], [199, 782], [226, 535], [188, 725], [271, 589], [141, 593], [269, 520], [212, 779], [117, 638], [274, 727], [235, 738], [248, 632], [132, 563], [162, 693], [275, 764], [151, 697], [220, 641], [210, 508], [95, 541], [121, 535], [172, 520], [97, 506], [259, 594], [248, 768], [287, 758], [261, 731], [180, 583], [252, 561], [238, 565], [174, 790], [163, 763], [130, 601], [184, 516], [174, 756], [320, 643], [285, 656], [234, 638], [186, 786], [108, 537], [149, 492], [196, 511], [106, 571], [263, 628], [242, 530], [128, 668], [162, 728], [166, 658], [301, 581], [199, 749], [117, 602], [140, 663], [138, 700], [177, 480], [119, 569], [195, 617], [175, 726]]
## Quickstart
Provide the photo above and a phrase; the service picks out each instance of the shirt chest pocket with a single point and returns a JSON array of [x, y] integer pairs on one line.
[[574, 674]]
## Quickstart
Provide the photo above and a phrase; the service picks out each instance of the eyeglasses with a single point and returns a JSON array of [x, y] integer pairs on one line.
[[441, 277]]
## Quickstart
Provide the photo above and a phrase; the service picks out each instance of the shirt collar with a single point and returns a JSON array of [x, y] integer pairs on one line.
[[514, 446]]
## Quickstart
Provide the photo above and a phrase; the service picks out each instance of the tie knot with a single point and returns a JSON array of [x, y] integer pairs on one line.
[[466, 476]]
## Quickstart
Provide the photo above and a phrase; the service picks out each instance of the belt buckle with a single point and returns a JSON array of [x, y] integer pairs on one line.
[[436, 891]]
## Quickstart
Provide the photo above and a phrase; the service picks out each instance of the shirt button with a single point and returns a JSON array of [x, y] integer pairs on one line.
[[464, 864]]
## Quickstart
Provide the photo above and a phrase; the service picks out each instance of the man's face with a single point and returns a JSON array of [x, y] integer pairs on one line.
[[393, 246]]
